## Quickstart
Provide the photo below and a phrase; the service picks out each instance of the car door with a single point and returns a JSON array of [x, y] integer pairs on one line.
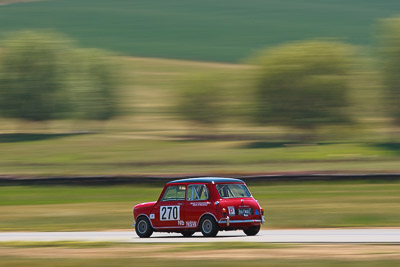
[[169, 211], [197, 203]]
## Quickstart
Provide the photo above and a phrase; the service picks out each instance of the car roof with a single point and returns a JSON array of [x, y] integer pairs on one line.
[[207, 180]]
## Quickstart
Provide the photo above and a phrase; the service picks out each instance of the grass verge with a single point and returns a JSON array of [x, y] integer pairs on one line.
[[300, 205], [225, 254]]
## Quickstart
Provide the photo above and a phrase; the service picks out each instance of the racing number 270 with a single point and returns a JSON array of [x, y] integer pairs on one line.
[[169, 213]]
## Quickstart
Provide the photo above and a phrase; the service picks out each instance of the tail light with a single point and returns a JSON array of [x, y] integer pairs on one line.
[[262, 211], [224, 213]]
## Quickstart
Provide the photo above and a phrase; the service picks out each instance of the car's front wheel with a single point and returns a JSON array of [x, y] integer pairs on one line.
[[208, 226], [143, 227], [253, 230]]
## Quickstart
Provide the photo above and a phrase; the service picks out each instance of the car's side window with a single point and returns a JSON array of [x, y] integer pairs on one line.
[[175, 192], [197, 192]]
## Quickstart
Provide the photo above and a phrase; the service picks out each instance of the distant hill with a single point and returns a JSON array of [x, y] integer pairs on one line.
[[209, 30]]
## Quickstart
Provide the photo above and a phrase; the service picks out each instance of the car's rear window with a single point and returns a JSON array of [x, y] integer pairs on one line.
[[233, 190]]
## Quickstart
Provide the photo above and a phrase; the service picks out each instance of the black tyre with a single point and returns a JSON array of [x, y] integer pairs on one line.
[[253, 230], [187, 233], [208, 226], [143, 227]]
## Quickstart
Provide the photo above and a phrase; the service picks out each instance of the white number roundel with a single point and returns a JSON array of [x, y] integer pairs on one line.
[[169, 213]]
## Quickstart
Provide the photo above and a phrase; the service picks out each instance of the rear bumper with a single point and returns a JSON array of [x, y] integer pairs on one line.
[[227, 221]]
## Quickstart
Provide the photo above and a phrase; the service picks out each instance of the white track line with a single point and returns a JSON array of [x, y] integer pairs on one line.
[[267, 236]]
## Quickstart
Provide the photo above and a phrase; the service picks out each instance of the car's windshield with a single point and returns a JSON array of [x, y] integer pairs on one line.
[[233, 190], [174, 192]]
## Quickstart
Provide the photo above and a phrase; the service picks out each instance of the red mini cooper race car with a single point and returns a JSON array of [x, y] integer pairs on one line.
[[200, 204]]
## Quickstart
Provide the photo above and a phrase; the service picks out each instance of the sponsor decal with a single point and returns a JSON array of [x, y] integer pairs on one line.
[[231, 211], [191, 224], [199, 204], [187, 223], [152, 216]]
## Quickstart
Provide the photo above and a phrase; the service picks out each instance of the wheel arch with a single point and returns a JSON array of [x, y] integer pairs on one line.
[[145, 216], [205, 214]]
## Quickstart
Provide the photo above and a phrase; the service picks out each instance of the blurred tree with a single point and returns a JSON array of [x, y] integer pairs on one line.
[[92, 86], [200, 101], [43, 76], [389, 39], [303, 85], [32, 67]]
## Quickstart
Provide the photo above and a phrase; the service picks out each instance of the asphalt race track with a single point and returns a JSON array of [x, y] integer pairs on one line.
[[267, 236]]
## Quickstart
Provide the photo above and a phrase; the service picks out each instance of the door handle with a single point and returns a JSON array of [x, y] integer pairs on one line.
[[180, 204]]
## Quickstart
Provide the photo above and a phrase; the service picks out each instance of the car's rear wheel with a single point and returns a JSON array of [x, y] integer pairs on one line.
[[187, 233], [208, 226], [253, 230], [143, 227]]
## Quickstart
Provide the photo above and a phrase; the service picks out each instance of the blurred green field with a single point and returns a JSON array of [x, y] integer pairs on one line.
[[148, 138], [223, 30], [300, 205], [98, 154]]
